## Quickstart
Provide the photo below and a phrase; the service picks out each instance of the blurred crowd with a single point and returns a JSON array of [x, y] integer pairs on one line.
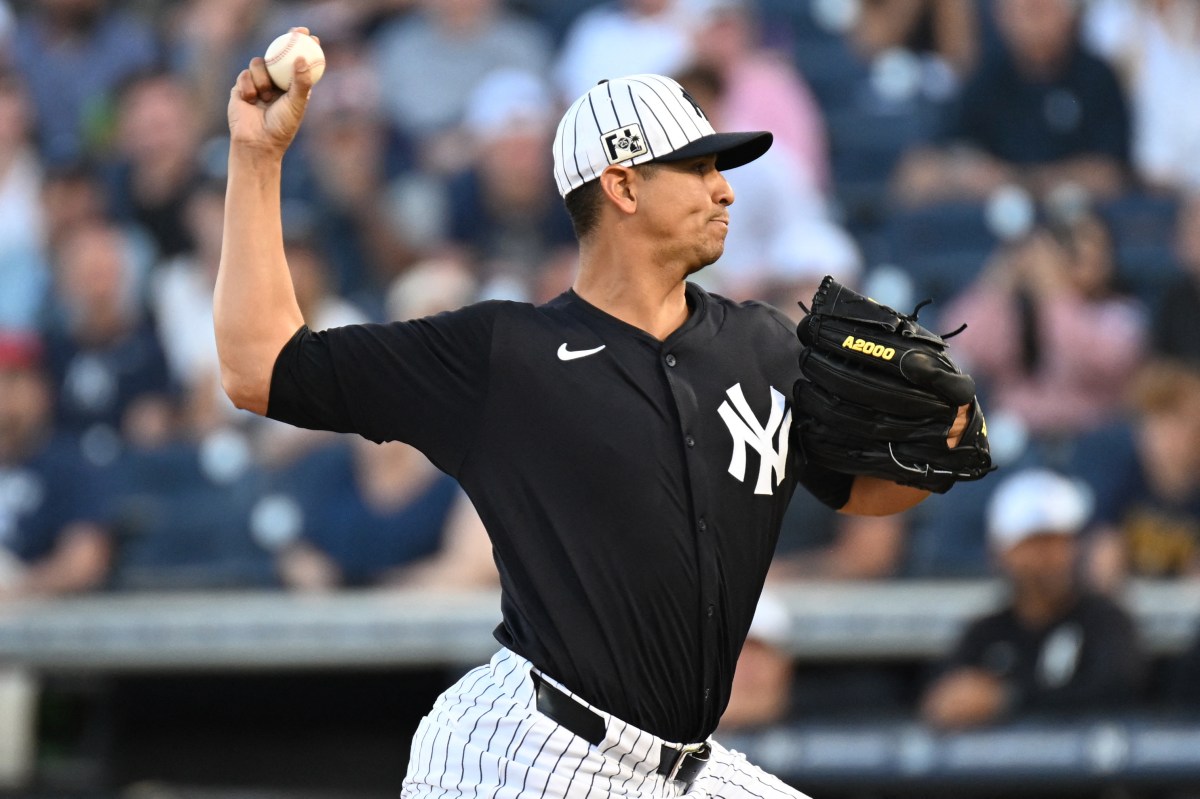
[[1029, 164]]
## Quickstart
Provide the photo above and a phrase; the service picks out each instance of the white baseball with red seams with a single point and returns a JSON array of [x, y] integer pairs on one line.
[[282, 53]]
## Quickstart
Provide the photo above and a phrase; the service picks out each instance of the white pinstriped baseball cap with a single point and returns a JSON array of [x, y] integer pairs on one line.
[[641, 118]]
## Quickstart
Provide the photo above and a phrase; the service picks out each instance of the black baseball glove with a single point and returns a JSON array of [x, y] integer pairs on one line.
[[879, 395]]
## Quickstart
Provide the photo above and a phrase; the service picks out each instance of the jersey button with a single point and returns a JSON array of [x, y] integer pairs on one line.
[[703, 525], [691, 442], [710, 611], [670, 359]]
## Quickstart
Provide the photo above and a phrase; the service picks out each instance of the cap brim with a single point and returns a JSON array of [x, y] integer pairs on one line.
[[732, 149]]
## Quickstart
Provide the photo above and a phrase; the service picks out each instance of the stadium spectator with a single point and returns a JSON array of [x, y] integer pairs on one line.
[[435, 55], [1053, 648], [74, 54], [278, 444], [948, 539], [943, 29], [23, 274], [1146, 475], [102, 351], [760, 89], [183, 512], [365, 514], [1039, 113], [623, 38], [361, 514], [505, 209], [1155, 45], [1047, 336], [181, 298], [156, 163], [430, 287], [209, 40], [783, 240], [314, 293], [72, 195], [53, 539], [1175, 324], [371, 218]]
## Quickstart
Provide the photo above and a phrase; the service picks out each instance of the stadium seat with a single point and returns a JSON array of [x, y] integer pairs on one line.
[[1143, 228]]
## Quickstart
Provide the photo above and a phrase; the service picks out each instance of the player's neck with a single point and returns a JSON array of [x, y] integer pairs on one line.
[[650, 299]]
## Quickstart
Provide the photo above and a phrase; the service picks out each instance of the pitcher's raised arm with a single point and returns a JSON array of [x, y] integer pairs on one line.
[[254, 308]]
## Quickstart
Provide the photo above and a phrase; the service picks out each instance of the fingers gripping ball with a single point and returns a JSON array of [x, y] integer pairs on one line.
[[281, 58], [879, 395]]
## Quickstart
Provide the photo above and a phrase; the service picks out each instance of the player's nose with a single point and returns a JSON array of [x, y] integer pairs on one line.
[[722, 192]]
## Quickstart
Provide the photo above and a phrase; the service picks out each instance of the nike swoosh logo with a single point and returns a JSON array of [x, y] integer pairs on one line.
[[565, 354]]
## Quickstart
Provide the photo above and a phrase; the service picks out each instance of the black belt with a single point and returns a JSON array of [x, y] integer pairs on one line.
[[683, 765]]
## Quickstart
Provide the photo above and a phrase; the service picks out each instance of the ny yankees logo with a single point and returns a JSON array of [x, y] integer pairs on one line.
[[747, 432]]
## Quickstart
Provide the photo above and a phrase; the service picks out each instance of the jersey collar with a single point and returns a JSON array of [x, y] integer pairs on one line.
[[701, 321]]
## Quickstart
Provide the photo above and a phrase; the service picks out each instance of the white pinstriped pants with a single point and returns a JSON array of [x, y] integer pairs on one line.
[[484, 738]]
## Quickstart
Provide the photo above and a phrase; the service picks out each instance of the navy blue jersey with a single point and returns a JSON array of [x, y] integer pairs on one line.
[[1082, 112], [363, 539], [633, 488], [44, 494]]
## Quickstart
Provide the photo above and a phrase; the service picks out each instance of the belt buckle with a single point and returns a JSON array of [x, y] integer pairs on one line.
[[699, 751]]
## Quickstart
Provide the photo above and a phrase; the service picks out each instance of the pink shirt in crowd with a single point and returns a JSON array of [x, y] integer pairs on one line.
[[1088, 350]]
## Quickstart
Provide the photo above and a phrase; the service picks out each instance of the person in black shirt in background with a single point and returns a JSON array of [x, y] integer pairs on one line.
[[1040, 113], [1053, 647], [626, 445]]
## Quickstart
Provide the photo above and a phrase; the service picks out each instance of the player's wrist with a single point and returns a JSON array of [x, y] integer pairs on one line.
[[255, 157]]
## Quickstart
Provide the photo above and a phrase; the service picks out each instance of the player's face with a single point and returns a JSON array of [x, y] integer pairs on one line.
[[686, 204]]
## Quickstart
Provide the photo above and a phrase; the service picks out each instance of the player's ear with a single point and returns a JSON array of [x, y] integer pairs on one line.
[[619, 184]]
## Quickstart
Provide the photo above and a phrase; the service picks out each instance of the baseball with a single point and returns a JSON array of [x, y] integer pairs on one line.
[[281, 58]]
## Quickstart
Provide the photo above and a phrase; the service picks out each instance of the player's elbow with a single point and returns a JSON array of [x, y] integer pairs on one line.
[[245, 392]]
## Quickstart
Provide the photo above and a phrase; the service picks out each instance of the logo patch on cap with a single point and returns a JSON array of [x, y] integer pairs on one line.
[[623, 143]]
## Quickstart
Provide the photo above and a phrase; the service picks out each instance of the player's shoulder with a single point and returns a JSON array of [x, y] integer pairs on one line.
[[487, 311], [748, 312], [521, 319]]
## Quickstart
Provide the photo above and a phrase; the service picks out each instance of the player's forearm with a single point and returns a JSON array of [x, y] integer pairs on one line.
[[254, 305], [873, 496]]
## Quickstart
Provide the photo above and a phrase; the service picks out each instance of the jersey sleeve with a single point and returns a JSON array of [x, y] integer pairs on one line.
[[423, 382], [831, 488]]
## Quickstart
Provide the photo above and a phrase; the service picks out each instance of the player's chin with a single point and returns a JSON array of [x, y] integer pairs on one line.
[[707, 257]]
